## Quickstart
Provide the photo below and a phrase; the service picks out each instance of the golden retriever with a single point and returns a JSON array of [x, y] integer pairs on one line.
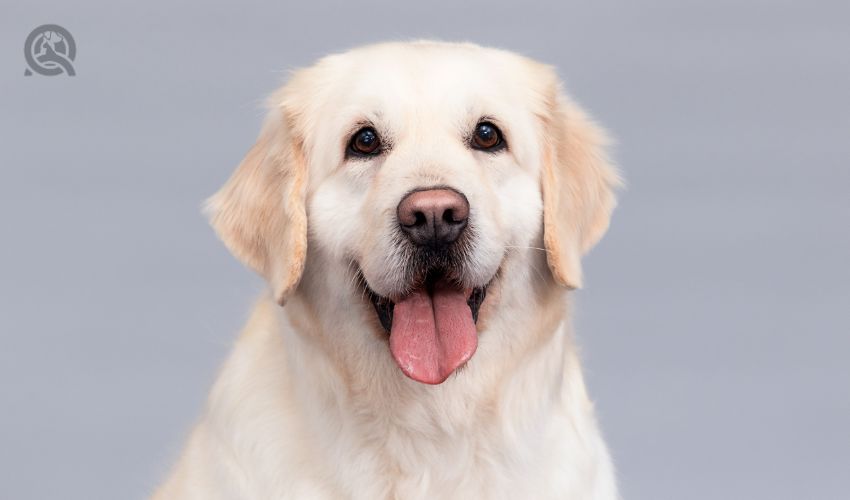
[[420, 211]]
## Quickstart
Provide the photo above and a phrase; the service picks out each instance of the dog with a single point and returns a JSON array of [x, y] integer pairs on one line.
[[420, 211]]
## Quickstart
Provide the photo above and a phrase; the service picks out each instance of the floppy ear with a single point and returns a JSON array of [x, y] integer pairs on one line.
[[577, 186], [260, 214]]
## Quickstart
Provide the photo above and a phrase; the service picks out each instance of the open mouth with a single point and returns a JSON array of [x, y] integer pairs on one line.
[[432, 329]]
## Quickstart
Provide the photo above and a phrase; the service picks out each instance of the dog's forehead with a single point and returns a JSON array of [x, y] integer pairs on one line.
[[427, 69], [432, 76]]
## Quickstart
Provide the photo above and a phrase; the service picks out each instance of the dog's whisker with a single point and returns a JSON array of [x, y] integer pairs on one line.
[[540, 277], [515, 247]]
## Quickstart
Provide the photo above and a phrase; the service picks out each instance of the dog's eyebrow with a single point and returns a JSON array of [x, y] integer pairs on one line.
[[470, 125], [490, 118], [357, 125]]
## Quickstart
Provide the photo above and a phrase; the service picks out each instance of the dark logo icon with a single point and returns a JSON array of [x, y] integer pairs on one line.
[[50, 50]]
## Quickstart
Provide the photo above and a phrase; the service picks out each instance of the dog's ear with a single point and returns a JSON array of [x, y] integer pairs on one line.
[[578, 185], [260, 213]]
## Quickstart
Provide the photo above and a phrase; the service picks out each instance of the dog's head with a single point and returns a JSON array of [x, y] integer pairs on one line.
[[417, 172]]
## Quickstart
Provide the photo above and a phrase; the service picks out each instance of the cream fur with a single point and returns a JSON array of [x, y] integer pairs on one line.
[[310, 404]]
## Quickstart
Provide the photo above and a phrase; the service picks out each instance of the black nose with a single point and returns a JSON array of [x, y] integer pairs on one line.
[[433, 217]]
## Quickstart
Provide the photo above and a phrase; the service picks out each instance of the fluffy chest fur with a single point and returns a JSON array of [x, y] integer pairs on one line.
[[284, 423]]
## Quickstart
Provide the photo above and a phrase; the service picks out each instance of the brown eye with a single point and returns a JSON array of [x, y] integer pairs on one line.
[[365, 142], [487, 137]]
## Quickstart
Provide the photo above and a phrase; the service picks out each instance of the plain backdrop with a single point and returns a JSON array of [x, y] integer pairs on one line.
[[715, 322]]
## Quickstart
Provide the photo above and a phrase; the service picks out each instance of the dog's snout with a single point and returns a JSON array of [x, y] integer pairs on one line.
[[433, 217]]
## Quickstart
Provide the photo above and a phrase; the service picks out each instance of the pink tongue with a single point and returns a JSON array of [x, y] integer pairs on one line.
[[433, 334]]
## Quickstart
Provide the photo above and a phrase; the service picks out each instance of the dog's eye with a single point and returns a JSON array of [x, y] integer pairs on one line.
[[365, 142], [487, 137]]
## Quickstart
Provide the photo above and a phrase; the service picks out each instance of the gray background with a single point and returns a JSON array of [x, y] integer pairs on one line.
[[714, 325]]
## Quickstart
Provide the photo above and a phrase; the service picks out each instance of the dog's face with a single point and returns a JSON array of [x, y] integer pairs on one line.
[[420, 169]]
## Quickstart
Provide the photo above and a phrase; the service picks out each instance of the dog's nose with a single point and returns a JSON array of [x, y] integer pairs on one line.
[[433, 217]]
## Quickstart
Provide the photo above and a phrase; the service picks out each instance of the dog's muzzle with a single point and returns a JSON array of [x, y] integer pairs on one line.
[[432, 327]]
